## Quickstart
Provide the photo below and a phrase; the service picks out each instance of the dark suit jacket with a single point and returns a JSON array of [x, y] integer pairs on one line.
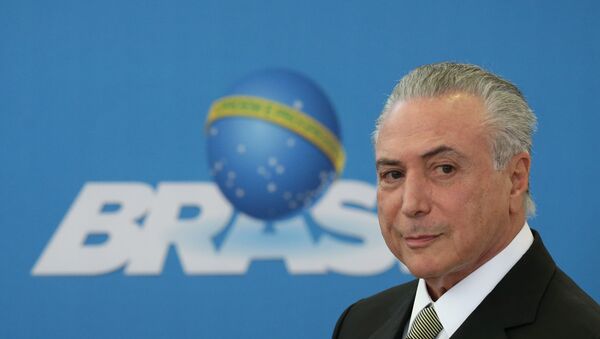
[[534, 300]]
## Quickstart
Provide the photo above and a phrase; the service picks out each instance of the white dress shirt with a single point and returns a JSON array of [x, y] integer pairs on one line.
[[454, 306]]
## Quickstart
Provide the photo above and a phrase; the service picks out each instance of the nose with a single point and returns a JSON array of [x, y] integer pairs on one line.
[[416, 199]]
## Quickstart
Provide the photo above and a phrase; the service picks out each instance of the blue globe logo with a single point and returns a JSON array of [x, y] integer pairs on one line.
[[274, 144]]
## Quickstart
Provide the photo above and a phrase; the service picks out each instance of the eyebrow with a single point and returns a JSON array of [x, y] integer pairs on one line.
[[387, 162], [440, 150]]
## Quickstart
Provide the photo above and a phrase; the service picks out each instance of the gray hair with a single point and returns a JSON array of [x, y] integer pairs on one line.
[[509, 118]]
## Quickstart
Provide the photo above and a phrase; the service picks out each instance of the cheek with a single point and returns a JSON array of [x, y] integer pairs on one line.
[[472, 224], [385, 222], [459, 209], [386, 207], [466, 243], [456, 204]]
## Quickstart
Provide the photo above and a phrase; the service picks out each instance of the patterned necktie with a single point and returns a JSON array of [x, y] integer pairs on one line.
[[426, 325]]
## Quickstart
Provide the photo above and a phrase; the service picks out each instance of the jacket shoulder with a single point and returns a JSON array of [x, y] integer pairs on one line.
[[568, 306], [565, 311], [384, 302], [364, 317]]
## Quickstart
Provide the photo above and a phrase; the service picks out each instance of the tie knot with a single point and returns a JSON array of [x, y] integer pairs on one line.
[[426, 325]]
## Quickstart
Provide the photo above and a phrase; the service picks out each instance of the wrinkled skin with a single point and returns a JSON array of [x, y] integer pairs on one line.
[[444, 210]]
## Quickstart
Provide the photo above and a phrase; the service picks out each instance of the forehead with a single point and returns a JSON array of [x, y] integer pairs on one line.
[[417, 125]]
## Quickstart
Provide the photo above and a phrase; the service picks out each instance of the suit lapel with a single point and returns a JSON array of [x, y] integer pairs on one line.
[[399, 316], [516, 298]]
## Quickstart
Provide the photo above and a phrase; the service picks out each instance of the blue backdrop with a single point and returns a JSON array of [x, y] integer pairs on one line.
[[118, 92]]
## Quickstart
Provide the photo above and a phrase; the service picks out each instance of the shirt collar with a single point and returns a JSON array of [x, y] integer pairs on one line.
[[454, 306]]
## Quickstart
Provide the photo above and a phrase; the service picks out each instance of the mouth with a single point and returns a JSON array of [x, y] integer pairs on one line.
[[420, 241]]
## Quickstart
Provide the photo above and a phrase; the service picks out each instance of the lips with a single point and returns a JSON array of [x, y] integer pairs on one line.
[[420, 241]]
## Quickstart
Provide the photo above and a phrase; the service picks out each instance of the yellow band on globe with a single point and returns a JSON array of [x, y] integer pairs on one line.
[[282, 115]]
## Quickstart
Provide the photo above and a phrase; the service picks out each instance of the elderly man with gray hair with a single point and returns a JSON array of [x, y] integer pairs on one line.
[[453, 153]]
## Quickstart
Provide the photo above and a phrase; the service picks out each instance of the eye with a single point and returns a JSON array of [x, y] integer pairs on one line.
[[391, 176], [445, 169], [394, 174]]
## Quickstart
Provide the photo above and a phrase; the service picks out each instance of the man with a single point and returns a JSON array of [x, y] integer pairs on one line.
[[453, 156]]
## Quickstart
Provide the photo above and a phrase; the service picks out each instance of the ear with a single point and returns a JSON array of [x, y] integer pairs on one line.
[[519, 177]]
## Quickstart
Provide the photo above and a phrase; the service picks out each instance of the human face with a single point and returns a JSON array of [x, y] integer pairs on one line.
[[443, 207]]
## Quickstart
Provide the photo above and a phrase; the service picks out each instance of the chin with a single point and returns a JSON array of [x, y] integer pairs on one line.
[[423, 269], [424, 273]]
